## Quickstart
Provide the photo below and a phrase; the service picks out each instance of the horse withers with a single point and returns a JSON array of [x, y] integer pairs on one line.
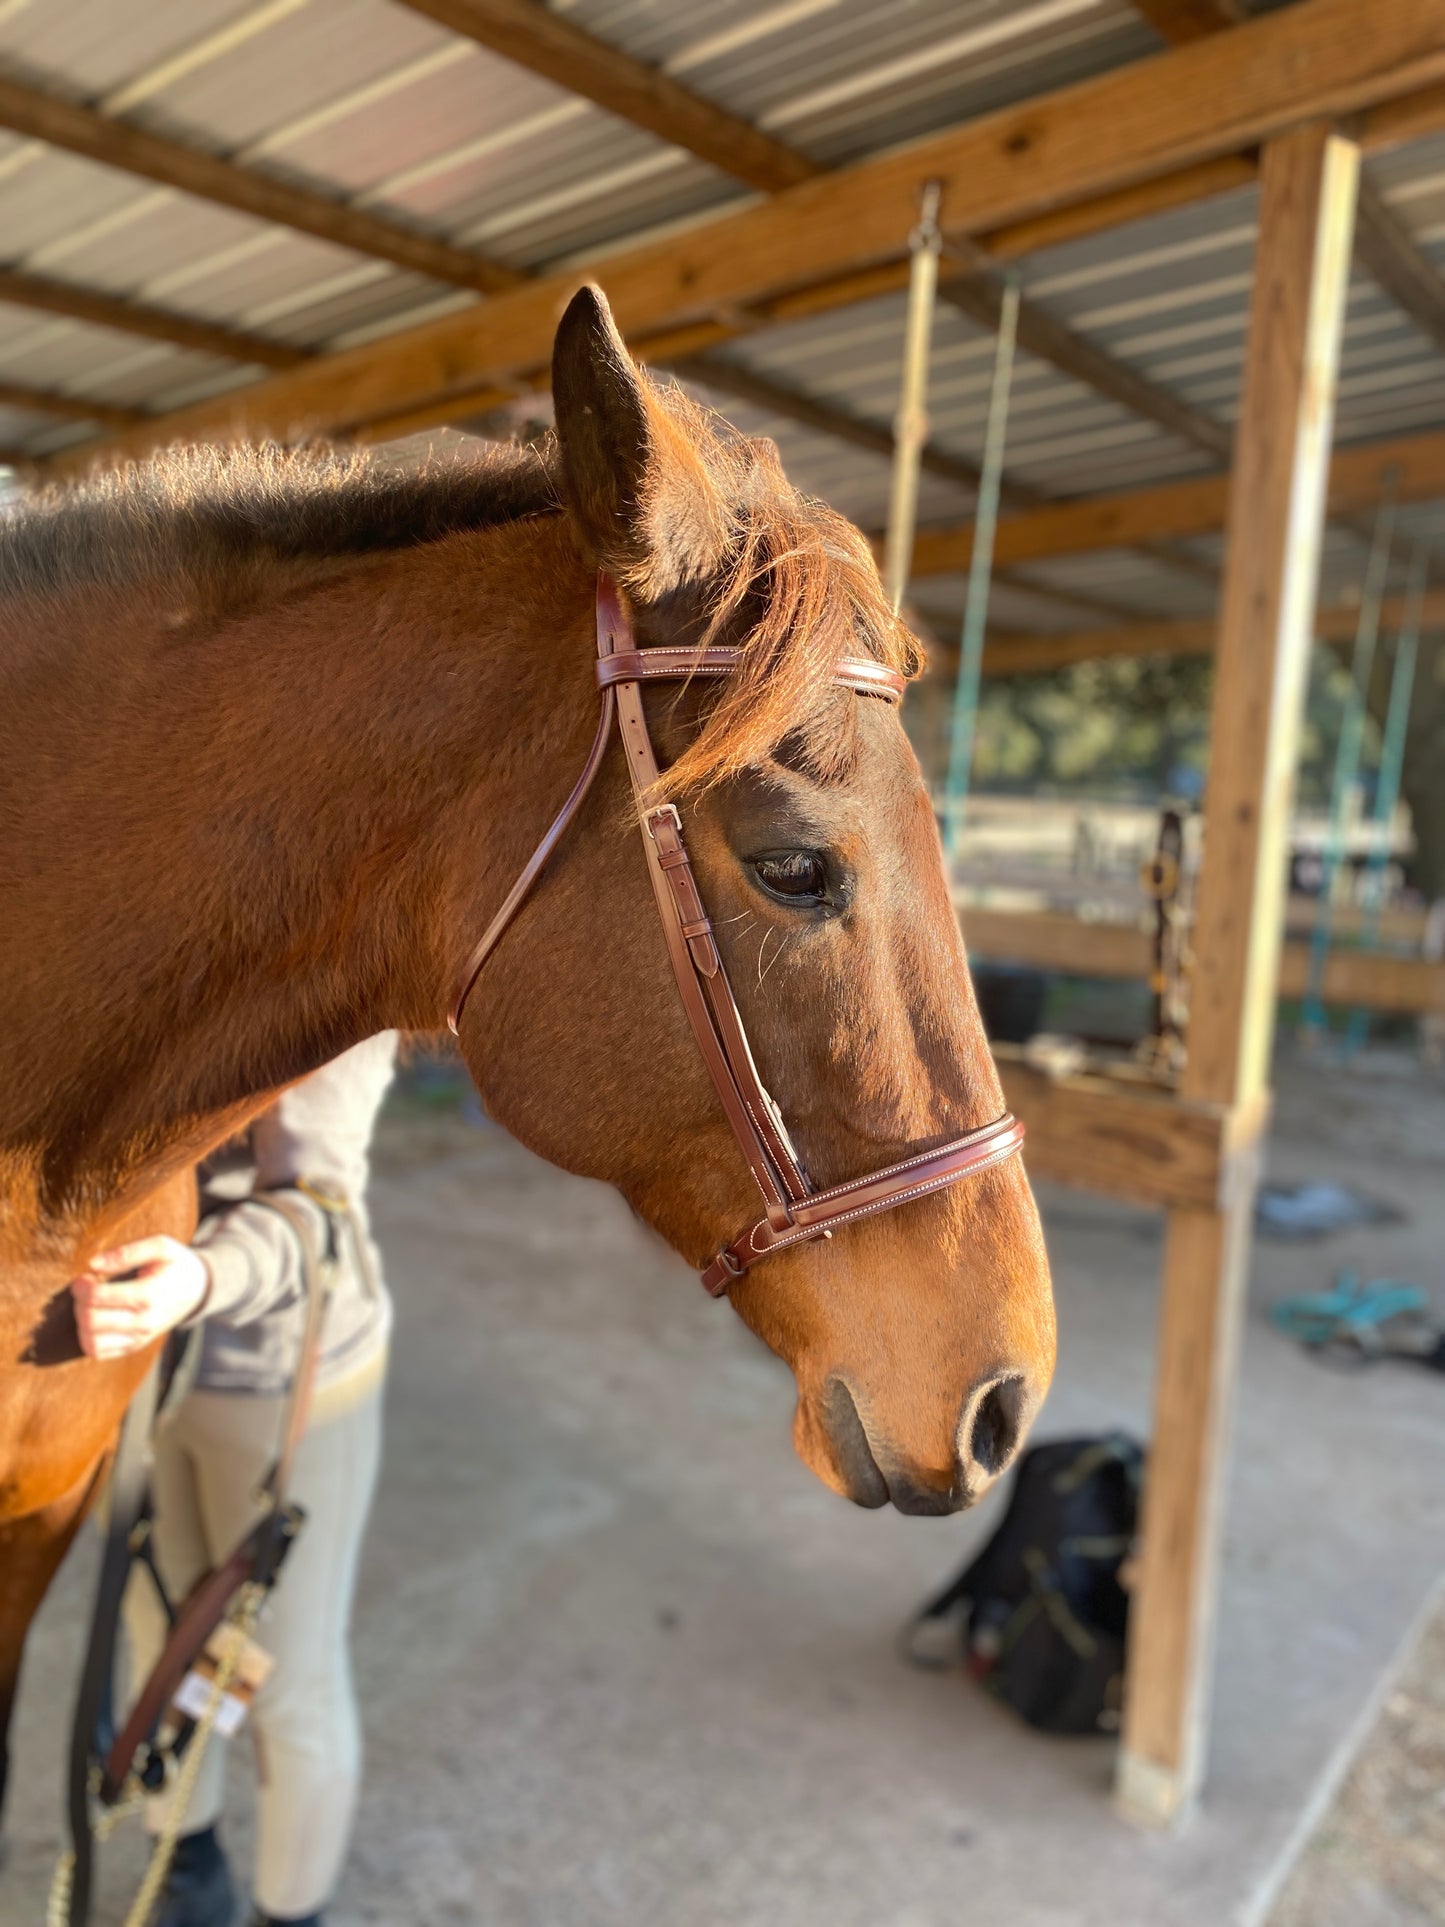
[[278, 732]]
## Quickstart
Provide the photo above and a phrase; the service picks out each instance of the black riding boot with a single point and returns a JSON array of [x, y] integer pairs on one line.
[[287, 1920], [198, 1890]]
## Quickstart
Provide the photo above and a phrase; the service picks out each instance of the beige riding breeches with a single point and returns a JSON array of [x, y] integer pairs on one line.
[[210, 1457]]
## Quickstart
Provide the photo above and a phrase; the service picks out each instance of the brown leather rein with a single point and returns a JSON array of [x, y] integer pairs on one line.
[[794, 1210]]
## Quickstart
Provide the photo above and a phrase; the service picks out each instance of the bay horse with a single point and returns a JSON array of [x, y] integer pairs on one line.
[[279, 729]]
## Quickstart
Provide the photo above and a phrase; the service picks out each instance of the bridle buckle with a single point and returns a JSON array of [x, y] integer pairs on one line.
[[663, 809]]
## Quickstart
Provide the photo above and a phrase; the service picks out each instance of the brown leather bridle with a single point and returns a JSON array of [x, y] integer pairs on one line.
[[794, 1211]]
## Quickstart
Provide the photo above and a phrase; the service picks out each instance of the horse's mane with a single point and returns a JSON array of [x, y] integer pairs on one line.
[[797, 590], [206, 516]]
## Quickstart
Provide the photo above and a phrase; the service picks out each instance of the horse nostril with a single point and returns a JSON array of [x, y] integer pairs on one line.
[[994, 1426]]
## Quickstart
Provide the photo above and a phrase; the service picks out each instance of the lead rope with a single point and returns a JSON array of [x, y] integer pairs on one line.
[[242, 1621]]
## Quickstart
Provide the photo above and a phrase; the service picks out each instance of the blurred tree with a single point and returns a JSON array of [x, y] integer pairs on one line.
[[1128, 726], [1139, 726]]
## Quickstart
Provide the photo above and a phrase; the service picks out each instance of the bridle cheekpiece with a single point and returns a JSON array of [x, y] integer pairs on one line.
[[794, 1212]]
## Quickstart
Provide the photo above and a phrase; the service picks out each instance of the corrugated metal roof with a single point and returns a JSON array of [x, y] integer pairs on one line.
[[370, 102]]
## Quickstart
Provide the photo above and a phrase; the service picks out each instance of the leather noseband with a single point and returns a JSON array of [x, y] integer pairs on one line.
[[794, 1211]]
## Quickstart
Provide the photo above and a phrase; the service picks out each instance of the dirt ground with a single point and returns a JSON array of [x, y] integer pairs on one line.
[[624, 1663], [1377, 1858]]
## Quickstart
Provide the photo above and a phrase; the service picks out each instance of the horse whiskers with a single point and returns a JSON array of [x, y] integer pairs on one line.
[[762, 949]]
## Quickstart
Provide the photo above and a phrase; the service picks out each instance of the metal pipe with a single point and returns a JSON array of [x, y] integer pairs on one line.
[[910, 424]]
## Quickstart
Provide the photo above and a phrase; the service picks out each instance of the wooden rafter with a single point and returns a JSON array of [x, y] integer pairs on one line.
[[1212, 99], [980, 297], [729, 377], [71, 408], [795, 404], [546, 43], [1397, 261], [1172, 510], [156, 324], [115, 143], [1179, 21], [1017, 655]]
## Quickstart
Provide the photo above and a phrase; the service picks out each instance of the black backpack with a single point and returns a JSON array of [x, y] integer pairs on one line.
[[1041, 1613]]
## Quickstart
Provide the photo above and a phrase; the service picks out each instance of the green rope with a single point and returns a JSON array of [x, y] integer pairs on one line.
[[1347, 758], [1387, 782]]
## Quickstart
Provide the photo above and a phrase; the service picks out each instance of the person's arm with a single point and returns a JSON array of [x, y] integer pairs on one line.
[[245, 1262], [246, 1259], [127, 1298]]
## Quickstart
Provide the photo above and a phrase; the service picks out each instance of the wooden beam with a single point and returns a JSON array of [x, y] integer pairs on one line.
[[1404, 986], [156, 324], [1400, 265], [1046, 940], [71, 408], [547, 43], [828, 418], [115, 143], [1174, 510], [1016, 655], [980, 297], [1413, 116], [1213, 98], [1276, 519], [1119, 1135], [1051, 940], [1141, 201], [1181, 20]]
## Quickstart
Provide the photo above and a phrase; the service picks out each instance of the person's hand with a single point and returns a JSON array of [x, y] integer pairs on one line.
[[127, 1298]]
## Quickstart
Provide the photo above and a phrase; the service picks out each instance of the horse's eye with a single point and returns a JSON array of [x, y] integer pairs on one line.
[[797, 876]]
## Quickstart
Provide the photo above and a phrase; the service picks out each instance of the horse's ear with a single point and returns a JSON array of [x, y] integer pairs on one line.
[[632, 475]]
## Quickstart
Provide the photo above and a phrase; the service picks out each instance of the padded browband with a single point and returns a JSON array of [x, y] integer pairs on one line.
[[858, 673]]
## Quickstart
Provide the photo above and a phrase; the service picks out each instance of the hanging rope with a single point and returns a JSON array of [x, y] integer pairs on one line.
[[1347, 758], [980, 574], [1387, 781], [910, 424]]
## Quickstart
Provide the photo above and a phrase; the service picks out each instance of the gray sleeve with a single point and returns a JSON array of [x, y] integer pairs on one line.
[[254, 1258], [319, 1130]]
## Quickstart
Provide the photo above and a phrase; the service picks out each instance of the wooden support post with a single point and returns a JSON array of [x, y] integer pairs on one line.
[[1276, 516]]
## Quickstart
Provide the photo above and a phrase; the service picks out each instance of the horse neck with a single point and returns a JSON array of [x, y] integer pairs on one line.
[[273, 834]]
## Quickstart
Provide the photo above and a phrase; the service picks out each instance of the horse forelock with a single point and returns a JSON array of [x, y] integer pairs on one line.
[[797, 591]]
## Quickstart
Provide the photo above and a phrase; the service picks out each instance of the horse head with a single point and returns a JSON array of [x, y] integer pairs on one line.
[[921, 1341]]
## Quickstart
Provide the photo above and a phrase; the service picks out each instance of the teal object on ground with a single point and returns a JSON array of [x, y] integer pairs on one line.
[[1353, 1307]]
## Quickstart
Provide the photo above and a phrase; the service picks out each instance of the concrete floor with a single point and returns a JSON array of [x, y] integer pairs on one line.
[[1377, 1858], [623, 1661]]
